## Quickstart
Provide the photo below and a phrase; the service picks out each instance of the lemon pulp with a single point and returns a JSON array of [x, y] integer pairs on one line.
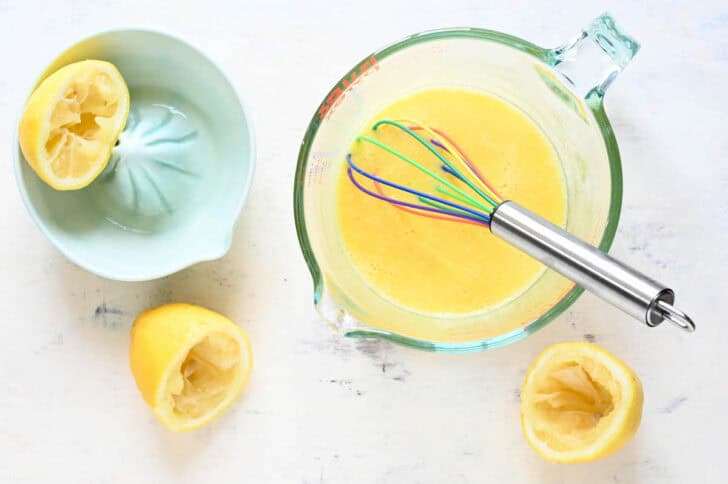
[[571, 405], [579, 403], [207, 371], [189, 363]]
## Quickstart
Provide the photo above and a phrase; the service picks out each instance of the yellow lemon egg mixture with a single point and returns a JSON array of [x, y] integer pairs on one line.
[[436, 266]]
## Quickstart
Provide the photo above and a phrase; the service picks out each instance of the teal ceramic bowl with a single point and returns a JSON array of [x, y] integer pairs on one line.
[[177, 179]]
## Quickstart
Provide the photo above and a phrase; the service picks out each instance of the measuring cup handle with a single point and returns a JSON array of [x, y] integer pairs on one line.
[[594, 58]]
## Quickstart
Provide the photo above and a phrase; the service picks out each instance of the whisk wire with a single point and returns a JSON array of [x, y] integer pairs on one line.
[[425, 170], [434, 151], [454, 195], [471, 166], [426, 213], [437, 205], [443, 141], [458, 204], [471, 214]]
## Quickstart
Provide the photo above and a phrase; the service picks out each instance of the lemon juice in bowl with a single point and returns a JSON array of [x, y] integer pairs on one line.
[[161, 169]]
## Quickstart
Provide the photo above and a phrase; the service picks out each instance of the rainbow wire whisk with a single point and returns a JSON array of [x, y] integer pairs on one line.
[[462, 206], [463, 194]]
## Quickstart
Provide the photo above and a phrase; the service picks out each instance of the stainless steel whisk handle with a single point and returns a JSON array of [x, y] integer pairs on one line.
[[624, 287]]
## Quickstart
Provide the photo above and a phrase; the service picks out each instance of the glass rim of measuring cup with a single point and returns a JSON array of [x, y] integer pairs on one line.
[[593, 98]]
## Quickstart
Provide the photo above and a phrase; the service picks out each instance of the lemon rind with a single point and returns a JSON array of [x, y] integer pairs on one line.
[[35, 155], [620, 430]]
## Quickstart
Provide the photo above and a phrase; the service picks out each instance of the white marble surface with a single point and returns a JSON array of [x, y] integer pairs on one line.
[[324, 409]]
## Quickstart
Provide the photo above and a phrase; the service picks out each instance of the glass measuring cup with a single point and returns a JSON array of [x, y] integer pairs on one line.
[[561, 90]]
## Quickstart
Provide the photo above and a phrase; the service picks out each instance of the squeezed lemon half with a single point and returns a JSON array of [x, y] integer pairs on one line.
[[189, 363], [579, 403], [71, 122]]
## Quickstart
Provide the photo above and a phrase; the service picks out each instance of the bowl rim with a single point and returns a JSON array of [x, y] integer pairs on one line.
[[244, 191], [594, 100]]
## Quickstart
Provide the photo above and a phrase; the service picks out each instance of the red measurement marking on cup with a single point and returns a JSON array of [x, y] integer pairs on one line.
[[339, 92]]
